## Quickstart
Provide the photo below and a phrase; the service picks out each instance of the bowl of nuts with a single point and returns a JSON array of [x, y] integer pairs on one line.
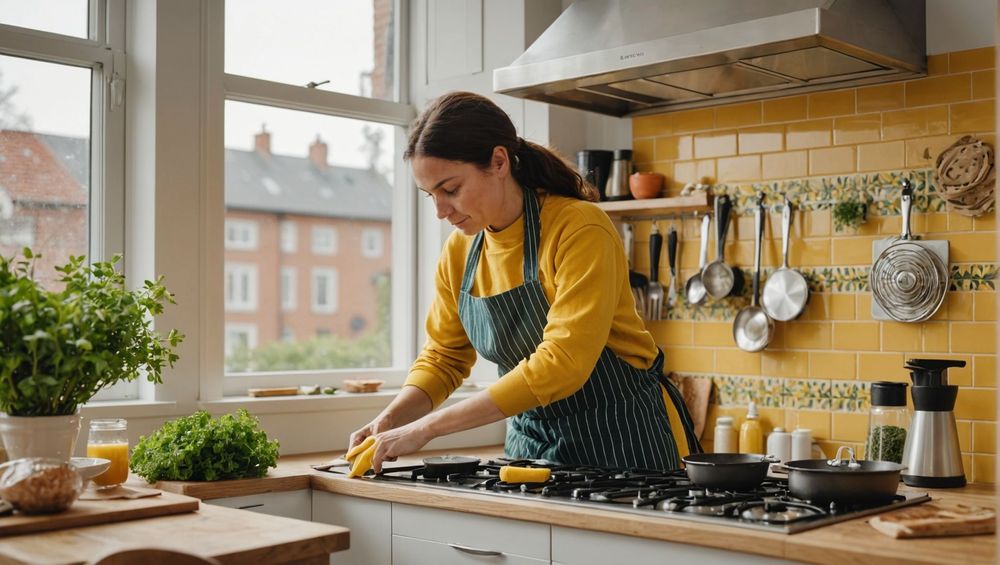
[[38, 485]]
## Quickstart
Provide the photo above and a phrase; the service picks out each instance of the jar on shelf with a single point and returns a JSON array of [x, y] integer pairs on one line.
[[888, 421], [108, 439]]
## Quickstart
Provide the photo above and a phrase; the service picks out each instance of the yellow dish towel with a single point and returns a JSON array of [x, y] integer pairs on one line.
[[361, 457]]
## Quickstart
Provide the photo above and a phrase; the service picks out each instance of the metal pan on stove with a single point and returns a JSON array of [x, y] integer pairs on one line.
[[444, 465]]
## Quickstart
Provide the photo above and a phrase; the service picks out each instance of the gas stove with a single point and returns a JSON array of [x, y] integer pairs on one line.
[[669, 494]]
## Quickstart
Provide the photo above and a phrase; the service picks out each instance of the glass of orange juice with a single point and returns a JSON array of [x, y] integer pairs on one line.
[[108, 439]]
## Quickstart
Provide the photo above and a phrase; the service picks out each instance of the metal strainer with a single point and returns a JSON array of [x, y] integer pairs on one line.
[[909, 278]]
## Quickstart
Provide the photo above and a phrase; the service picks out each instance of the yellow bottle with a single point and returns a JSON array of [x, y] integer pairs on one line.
[[751, 436]]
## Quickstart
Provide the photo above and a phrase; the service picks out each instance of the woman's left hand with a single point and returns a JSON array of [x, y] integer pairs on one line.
[[398, 442]]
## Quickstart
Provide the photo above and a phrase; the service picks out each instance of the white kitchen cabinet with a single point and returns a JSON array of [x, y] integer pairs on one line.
[[412, 551], [370, 523], [429, 536], [583, 547], [292, 504]]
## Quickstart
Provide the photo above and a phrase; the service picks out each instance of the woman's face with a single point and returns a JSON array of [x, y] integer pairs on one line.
[[466, 196]]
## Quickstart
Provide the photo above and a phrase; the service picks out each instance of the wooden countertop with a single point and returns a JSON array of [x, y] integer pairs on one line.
[[846, 542], [228, 535]]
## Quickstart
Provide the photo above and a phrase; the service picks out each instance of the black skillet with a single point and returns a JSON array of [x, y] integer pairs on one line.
[[441, 467]]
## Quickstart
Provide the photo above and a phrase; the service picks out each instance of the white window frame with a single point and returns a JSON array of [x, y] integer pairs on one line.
[[332, 290], [325, 240], [372, 243], [289, 289], [103, 51], [242, 234], [404, 206], [289, 236], [250, 330], [249, 302]]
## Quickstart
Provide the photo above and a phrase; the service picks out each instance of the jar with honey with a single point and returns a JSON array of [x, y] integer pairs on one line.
[[108, 439]]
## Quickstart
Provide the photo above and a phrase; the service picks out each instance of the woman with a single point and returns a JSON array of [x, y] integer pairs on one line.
[[534, 279]]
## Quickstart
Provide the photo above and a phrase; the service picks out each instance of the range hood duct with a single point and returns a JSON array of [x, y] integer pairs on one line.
[[633, 57]]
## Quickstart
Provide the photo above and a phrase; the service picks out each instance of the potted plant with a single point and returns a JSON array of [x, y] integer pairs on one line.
[[61, 346]]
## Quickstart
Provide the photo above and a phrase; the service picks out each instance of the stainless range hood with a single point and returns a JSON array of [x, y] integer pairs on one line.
[[629, 57]]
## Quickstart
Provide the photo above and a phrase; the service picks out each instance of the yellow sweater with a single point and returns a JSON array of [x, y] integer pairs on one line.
[[583, 272]]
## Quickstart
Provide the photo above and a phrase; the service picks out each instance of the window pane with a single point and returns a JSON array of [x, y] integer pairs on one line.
[[327, 181], [44, 161], [68, 17], [349, 43]]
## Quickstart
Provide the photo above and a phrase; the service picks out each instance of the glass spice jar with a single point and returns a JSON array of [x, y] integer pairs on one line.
[[888, 421], [108, 439]]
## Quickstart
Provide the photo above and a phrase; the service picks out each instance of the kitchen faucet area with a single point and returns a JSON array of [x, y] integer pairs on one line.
[[566, 282]]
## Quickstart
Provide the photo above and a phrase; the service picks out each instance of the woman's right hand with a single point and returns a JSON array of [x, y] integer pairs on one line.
[[382, 423], [409, 405]]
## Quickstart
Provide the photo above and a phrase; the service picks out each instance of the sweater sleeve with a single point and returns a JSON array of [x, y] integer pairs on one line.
[[447, 356], [589, 274]]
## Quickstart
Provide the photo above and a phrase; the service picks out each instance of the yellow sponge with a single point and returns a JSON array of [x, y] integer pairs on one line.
[[510, 474], [360, 448]]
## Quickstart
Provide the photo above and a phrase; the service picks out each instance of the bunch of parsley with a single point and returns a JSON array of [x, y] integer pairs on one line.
[[201, 448]]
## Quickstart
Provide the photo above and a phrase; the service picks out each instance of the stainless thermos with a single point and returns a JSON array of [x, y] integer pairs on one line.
[[932, 455], [621, 168]]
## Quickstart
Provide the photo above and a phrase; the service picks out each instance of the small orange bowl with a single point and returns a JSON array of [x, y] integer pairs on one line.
[[645, 185]]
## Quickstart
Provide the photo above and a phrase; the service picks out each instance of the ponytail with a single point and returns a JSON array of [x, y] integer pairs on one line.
[[465, 127]]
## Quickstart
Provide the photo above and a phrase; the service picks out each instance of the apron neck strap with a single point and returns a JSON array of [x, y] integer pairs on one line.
[[532, 237]]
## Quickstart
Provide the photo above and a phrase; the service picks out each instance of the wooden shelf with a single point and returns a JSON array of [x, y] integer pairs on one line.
[[653, 207]]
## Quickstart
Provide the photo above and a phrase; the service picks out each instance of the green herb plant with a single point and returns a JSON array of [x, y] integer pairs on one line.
[[201, 448], [849, 214], [60, 347]]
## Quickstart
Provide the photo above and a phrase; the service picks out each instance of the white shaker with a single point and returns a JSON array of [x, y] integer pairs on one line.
[[725, 435], [801, 444], [779, 444]]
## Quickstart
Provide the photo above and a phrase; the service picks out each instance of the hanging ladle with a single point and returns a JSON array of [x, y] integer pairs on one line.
[[753, 328]]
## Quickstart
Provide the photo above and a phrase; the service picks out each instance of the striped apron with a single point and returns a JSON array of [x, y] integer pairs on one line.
[[619, 418]]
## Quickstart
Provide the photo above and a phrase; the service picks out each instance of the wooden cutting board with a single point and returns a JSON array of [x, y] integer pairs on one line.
[[936, 519], [90, 512]]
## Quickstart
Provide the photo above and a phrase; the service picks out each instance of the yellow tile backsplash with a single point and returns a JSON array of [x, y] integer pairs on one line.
[[816, 371]]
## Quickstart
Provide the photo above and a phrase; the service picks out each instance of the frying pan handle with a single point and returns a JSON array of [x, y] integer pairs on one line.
[[722, 208], [786, 231], [672, 251], [703, 255], [906, 202], [655, 246], [758, 243]]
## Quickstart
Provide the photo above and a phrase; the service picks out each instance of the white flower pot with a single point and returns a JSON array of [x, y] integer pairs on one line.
[[39, 436]]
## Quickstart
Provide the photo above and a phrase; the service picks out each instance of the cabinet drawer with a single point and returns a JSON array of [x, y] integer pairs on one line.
[[292, 504], [410, 551], [511, 537]]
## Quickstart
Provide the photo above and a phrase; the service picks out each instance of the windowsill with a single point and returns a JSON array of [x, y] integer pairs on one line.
[[129, 409], [316, 403]]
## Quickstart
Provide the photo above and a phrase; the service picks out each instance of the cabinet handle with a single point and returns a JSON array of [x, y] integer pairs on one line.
[[249, 506], [474, 550]]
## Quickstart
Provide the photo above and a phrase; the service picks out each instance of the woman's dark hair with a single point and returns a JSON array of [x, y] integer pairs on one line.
[[463, 126]]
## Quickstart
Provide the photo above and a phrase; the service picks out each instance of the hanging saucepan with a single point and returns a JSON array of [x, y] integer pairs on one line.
[[441, 467], [856, 482], [753, 328], [694, 289], [909, 278], [720, 279], [727, 471], [786, 291]]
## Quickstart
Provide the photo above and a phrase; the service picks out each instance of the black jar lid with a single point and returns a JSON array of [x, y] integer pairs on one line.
[[885, 393]]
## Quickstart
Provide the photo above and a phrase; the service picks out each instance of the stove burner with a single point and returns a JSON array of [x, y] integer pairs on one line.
[[773, 511]]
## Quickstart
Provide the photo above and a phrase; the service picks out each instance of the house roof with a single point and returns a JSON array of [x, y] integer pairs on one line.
[[278, 183], [44, 169]]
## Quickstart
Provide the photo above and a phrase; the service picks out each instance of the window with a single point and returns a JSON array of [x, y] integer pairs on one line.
[[288, 282], [61, 131], [371, 242], [241, 287], [241, 235], [291, 42], [324, 240], [289, 236], [240, 338], [324, 291], [326, 158]]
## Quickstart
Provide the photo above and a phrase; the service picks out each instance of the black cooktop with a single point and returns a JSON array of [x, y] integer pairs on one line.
[[669, 494]]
